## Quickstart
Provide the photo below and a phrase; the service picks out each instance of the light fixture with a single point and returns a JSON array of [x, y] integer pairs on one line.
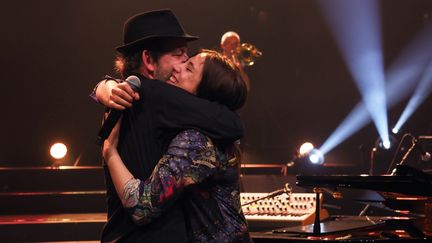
[[308, 154], [385, 144], [58, 151], [316, 157], [305, 148]]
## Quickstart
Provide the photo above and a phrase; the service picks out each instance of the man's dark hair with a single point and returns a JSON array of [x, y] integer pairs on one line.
[[129, 62]]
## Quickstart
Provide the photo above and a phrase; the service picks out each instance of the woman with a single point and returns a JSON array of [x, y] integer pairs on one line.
[[202, 172]]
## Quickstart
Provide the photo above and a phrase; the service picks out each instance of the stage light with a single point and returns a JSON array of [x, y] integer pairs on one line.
[[316, 157], [357, 29], [358, 118], [381, 155], [402, 78], [307, 154], [395, 130], [385, 145], [305, 148], [58, 151], [420, 94]]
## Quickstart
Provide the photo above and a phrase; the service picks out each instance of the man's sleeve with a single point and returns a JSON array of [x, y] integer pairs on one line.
[[179, 110], [106, 78]]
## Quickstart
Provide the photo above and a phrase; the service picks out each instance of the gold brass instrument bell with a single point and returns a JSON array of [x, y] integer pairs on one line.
[[247, 54]]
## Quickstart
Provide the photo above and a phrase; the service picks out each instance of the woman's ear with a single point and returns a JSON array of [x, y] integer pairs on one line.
[[148, 62]]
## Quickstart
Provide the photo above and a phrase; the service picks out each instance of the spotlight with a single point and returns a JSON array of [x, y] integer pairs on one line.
[[305, 148], [385, 144], [381, 155], [395, 130], [316, 157], [58, 151], [306, 160], [364, 57], [309, 154], [421, 92], [401, 80]]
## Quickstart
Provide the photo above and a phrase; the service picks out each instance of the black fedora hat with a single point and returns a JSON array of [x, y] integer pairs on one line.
[[146, 26]]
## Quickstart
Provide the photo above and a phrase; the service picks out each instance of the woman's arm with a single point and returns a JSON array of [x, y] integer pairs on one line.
[[190, 159], [120, 175]]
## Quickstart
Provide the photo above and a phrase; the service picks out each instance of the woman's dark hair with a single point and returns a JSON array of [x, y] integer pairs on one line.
[[222, 81]]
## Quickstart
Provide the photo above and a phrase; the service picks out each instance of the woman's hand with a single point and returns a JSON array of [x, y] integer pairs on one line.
[[110, 144]]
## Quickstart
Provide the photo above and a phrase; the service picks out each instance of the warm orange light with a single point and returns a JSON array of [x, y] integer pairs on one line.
[[58, 150], [305, 148], [403, 211], [411, 198]]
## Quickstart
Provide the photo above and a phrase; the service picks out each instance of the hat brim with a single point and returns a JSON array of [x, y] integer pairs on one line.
[[137, 43]]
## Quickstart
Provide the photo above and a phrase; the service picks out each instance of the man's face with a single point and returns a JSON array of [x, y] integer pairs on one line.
[[230, 45], [177, 54], [188, 75]]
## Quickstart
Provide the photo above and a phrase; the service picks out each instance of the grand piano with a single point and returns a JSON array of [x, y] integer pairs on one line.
[[406, 180], [408, 192]]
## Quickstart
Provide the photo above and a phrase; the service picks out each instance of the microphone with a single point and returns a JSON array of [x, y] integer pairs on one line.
[[114, 114], [425, 156], [287, 189]]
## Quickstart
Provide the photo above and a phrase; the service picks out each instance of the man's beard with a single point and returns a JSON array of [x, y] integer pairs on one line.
[[162, 75]]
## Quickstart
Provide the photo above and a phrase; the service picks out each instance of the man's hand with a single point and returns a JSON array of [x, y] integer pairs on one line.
[[116, 95]]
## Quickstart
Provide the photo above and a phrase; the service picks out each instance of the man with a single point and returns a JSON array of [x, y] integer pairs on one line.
[[153, 43], [230, 45]]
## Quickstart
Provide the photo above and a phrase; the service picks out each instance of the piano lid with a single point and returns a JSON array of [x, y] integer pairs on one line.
[[407, 180]]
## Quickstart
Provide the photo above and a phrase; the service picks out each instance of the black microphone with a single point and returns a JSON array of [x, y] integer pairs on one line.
[[114, 114], [424, 155], [287, 189]]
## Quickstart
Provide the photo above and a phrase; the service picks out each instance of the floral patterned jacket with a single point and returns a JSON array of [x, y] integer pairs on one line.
[[195, 173]]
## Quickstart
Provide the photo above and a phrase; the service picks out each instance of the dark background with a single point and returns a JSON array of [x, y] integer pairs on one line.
[[54, 52]]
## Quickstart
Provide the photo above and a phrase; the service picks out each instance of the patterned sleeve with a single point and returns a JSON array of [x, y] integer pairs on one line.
[[190, 159]]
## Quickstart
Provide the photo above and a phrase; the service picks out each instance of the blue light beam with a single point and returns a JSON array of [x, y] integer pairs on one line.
[[401, 80], [355, 24], [420, 94]]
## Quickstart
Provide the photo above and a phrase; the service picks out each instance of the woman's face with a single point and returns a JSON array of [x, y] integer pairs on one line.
[[188, 75]]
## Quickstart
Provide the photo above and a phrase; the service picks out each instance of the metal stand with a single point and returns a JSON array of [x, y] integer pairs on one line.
[[317, 223], [404, 158]]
